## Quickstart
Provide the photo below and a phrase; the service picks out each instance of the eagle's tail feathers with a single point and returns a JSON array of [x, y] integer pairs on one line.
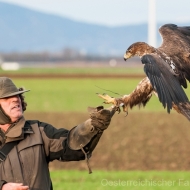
[[183, 108]]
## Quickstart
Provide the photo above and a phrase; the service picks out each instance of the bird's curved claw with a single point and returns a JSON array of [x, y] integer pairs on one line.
[[125, 108], [118, 110], [126, 114]]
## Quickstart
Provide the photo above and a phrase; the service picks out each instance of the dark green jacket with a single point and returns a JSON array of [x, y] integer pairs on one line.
[[40, 143]]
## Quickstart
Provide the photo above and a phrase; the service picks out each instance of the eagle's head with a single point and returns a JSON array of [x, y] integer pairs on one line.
[[139, 49]]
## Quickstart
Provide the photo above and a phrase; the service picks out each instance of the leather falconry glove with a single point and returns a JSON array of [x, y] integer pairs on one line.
[[86, 136], [101, 118], [82, 134]]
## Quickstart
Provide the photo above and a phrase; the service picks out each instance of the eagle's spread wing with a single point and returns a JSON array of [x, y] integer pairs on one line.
[[163, 81], [176, 47]]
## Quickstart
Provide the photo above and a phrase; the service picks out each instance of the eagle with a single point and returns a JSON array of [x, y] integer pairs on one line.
[[167, 70]]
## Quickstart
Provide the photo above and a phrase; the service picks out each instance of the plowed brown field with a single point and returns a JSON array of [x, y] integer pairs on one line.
[[140, 141]]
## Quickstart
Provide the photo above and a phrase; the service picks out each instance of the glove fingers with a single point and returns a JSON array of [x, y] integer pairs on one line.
[[100, 118], [92, 109], [101, 115]]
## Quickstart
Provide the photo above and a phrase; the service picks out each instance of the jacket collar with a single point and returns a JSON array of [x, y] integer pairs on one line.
[[17, 131]]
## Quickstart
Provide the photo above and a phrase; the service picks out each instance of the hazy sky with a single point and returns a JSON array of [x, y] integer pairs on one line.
[[111, 12]]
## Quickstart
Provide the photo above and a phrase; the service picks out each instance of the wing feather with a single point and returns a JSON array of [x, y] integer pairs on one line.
[[180, 38], [178, 49], [163, 81], [163, 95]]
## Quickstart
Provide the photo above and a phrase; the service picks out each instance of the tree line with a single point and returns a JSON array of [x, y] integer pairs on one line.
[[46, 56]]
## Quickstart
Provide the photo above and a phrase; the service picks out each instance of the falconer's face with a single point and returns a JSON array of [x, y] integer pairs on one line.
[[12, 107]]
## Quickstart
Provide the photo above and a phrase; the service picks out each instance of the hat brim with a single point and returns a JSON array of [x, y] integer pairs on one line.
[[14, 93]]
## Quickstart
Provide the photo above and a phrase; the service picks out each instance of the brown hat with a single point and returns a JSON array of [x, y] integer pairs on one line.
[[8, 88]]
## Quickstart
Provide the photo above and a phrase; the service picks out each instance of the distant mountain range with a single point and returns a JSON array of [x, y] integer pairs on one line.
[[23, 30]]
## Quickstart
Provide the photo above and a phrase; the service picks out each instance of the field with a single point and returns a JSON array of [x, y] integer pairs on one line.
[[142, 146], [140, 141], [144, 140], [59, 95], [136, 180]]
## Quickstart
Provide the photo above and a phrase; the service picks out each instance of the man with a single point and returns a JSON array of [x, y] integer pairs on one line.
[[27, 146]]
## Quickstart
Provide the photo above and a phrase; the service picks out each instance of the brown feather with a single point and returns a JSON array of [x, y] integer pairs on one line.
[[138, 97]]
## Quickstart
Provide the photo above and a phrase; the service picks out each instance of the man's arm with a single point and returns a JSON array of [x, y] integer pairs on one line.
[[65, 145]]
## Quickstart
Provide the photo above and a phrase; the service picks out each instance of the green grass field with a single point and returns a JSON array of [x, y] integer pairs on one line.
[[105, 180], [59, 95]]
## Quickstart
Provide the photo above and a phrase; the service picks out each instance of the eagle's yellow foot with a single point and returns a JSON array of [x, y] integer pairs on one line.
[[118, 102], [107, 99]]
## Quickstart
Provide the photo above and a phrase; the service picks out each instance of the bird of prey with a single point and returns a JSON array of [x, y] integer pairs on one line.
[[167, 68]]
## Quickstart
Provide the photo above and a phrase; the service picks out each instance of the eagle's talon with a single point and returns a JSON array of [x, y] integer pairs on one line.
[[118, 110], [126, 113]]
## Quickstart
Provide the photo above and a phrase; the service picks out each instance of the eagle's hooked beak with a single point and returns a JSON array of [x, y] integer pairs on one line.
[[127, 55]]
